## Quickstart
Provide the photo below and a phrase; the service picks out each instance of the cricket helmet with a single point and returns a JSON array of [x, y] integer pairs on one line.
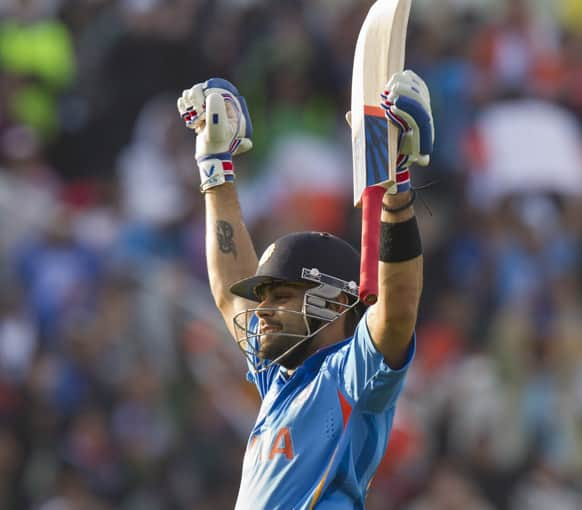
[[303, 257]]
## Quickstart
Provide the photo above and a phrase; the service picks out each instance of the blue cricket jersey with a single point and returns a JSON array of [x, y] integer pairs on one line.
[[321, 433]]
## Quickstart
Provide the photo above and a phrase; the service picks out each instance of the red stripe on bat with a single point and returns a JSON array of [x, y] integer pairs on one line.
[[374, 111]]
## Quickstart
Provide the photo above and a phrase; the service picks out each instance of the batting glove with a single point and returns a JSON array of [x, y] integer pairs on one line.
[[406, 101], [218, 114]]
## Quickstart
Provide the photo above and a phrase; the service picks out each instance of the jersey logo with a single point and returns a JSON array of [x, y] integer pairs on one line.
[[272, 445], [282, 445]]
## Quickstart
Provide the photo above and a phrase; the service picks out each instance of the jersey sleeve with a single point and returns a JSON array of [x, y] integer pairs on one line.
[[262, 380], [364, 375]]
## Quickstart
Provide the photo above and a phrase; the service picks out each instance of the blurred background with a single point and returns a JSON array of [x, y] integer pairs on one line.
[[119, 385]]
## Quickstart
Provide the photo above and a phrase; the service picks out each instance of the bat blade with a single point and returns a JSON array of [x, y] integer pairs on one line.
[[379, 54]]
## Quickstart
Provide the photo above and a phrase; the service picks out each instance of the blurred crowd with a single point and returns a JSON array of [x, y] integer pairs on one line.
[[119, 385]]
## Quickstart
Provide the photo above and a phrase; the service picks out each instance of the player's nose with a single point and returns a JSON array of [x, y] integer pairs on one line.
[[263, 309]]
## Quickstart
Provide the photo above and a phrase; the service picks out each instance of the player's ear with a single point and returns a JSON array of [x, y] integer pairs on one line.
[[343, 299]]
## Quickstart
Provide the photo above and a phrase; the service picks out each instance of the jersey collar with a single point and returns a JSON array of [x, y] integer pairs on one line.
[[313, 362]]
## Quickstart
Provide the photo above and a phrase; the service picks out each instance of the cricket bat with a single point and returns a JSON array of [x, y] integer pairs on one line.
[[379, 54]]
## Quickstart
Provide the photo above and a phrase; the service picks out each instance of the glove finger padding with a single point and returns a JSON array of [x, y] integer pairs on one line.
[[409, 84], [417, 142], [237, 113], [407, 104], [191, 106]]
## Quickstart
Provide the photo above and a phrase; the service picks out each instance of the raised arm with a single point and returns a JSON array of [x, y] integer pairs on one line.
[[219, 116], [230, 254], [392, 319]]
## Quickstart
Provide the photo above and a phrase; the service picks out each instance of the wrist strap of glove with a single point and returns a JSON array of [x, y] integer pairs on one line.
[[215, 170], [402, 180], [402, 183]]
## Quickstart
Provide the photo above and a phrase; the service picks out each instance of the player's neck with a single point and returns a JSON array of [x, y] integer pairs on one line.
[[331, 334]]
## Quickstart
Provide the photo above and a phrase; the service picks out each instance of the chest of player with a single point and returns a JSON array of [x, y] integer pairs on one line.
[[299, 417]]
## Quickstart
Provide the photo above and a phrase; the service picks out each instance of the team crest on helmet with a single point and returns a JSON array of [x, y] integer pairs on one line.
[[267, 254]]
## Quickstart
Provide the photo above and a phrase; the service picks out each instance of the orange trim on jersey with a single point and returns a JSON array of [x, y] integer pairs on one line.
[[346, 413], [346, 408], [374, 111], [321, 483]]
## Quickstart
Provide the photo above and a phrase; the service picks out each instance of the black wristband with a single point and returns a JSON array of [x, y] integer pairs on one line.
[[399, 241]]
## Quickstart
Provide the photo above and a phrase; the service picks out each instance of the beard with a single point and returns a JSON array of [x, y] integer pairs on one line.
[[274, 345]]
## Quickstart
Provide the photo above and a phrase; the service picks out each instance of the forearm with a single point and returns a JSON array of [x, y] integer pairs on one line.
[[400, 287], [230, 253]]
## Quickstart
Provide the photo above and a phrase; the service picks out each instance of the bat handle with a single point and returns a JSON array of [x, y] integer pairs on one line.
[[371, 210]]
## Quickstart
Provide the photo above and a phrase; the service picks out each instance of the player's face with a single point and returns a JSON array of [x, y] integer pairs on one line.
[[279, 329]]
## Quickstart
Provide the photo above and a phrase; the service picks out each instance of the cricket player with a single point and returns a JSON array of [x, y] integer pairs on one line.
[[328, 370]]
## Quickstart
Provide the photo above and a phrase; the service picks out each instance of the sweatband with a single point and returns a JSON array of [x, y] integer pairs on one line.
[[399, 241]]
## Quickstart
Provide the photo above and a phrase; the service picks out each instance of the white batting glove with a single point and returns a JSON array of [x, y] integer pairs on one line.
[[406, 101], [218, 114]]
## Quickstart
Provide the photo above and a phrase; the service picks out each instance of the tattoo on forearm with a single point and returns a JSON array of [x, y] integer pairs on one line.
[[225, 237]]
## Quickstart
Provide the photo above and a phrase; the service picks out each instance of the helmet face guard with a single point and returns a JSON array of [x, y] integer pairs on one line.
[[316, 313]]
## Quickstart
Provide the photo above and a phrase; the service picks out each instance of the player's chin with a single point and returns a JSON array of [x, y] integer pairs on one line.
[[273, 345], [269, 347], [280, 348]]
